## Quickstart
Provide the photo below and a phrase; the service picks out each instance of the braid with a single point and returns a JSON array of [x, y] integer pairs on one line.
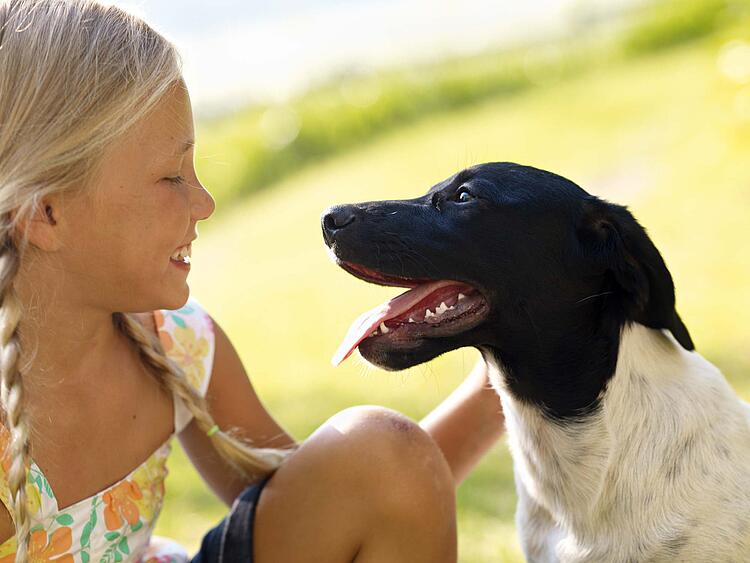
[[252, 462], [57, 120], [11, 386]]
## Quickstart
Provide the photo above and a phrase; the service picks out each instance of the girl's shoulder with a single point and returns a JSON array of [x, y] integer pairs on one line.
[[187, 337]]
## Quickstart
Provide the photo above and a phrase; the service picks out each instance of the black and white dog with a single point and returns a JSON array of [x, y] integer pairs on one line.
[[628, 445]]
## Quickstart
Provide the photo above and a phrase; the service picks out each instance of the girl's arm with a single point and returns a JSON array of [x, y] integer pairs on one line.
[[467, 423], [232, 402], [464, 426]]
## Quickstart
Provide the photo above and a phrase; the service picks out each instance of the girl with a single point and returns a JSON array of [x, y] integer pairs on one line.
[[104, 357]]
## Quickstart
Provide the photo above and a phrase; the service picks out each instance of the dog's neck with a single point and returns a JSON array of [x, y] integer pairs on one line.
[[567, 460], [569, 463], [562, 368]]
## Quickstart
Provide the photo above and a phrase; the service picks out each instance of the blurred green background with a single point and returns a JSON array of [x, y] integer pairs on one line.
[[651, 110]]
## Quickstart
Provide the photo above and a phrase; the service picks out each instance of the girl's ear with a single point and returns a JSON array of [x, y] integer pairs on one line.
[[619, 245], [41, 227]]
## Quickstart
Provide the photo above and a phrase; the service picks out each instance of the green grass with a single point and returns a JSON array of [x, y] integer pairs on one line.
[[251, 150], [662, 134]]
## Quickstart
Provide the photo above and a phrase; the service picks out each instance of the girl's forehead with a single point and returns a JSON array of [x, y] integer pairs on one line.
[[164, 135]]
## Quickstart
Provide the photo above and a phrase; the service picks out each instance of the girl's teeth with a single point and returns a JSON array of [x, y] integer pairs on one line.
[[182, 255]]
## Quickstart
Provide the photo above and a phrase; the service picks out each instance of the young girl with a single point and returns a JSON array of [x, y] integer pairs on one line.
[[104, 357]]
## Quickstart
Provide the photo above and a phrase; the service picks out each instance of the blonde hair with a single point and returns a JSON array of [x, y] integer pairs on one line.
[[75, 75]]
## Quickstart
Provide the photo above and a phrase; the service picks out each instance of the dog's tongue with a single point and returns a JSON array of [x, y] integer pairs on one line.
[[367, 322]]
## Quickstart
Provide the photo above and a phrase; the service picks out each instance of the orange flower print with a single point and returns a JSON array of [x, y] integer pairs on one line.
[[43, 549], [189, 352], [159, 319], [34, 501], [4, 452], [119, 504], [164, 337]]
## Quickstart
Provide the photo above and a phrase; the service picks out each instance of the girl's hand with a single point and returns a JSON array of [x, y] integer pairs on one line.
[[468, 423]]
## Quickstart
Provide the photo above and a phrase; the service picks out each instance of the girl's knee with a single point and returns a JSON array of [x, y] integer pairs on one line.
[[368, 472], [377, 455], [389, 454], [378, 427]]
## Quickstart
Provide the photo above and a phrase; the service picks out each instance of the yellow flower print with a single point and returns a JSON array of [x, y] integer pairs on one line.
[[150, 481], [189, 352], [8, 550], [34, 499]]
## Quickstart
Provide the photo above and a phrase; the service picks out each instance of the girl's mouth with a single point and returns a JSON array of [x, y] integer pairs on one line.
[[182, 255]]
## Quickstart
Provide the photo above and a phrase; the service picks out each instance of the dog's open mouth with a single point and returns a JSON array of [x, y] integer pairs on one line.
[[430, 309]]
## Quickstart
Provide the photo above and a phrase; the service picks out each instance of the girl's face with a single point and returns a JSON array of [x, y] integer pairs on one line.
[[120, 235]]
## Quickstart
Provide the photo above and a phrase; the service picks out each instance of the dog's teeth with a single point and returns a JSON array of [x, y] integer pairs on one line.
[[411, 320], [442, 308], [428, 314], [384, 328], [461, 296], [374, 332], [451, 307]]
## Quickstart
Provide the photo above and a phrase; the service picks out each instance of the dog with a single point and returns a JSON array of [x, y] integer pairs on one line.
[[627, 445]]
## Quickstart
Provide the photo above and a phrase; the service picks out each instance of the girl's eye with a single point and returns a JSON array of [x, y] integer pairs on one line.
[[176, 180], [463, 195]]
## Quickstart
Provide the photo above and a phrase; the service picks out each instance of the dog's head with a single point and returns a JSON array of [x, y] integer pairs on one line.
[[506, 258]]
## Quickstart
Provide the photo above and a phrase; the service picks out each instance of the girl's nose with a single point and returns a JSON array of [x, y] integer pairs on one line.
[[203, 204]]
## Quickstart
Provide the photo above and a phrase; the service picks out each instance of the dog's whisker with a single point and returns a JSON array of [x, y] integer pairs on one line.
[[592, 296], [426, 263], [399, 249], [399, 256], [537, 332]]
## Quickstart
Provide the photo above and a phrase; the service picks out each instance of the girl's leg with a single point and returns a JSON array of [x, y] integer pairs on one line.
[[369, 486]]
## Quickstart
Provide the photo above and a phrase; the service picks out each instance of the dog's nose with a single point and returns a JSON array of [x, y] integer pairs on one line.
[[335, 219]]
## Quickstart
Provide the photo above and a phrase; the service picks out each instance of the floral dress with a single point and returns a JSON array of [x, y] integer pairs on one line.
[[115, 525]]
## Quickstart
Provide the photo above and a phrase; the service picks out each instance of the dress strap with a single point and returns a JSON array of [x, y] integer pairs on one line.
[[187, 336]]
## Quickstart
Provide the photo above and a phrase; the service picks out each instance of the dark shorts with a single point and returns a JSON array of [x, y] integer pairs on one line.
[[232, 540]]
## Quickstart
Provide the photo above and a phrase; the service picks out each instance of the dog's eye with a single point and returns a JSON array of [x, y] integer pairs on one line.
[[463, 195]]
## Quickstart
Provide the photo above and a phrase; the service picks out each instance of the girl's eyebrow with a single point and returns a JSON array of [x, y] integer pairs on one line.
[[186, 146], [189, 144]]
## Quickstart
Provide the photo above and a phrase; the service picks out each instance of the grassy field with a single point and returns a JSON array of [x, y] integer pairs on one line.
[[667, 134], [255, 147]]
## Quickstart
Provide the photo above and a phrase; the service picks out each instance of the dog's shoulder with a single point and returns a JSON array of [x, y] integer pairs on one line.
[[660, 471], [677, 420]]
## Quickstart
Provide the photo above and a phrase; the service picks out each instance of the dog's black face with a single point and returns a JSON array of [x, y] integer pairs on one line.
[[537, 273]]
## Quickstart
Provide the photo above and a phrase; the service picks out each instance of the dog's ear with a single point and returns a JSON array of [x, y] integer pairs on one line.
[[619, 246]]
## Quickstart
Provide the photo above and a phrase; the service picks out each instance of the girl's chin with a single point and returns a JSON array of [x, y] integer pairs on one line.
[[173, 297]]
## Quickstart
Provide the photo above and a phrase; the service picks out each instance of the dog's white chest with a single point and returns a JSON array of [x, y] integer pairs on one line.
[[661, 472]]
